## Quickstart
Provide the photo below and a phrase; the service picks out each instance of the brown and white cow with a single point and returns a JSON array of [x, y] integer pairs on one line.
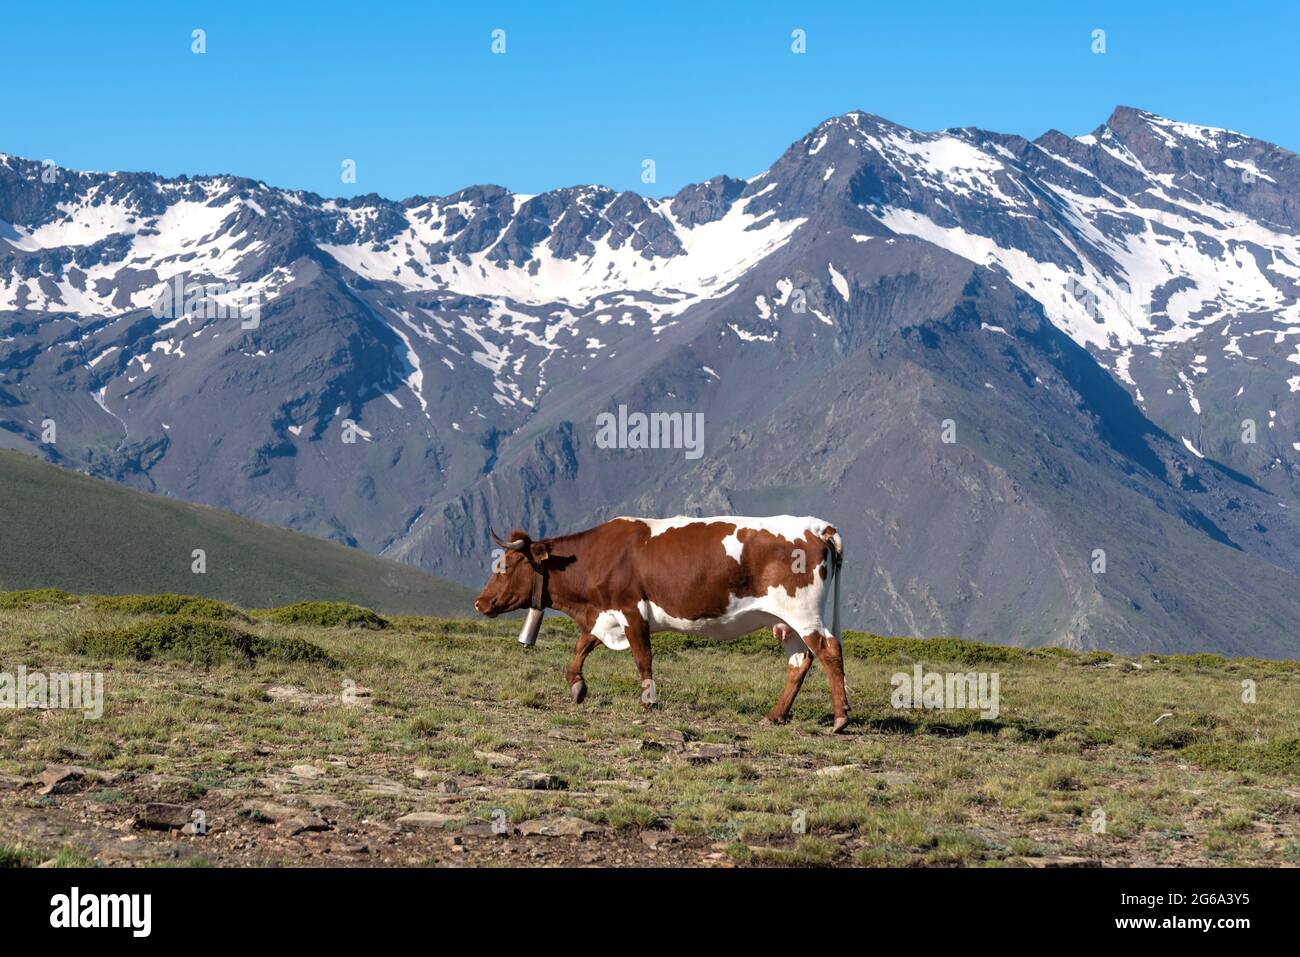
[[720, 577]]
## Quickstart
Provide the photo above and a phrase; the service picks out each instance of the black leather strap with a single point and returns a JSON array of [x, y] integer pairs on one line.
[[539, 589]]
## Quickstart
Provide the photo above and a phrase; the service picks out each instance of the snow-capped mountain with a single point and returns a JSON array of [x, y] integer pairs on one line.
[[986, 359]]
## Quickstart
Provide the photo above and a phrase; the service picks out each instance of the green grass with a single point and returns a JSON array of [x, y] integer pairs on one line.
[[11, 856], [19, 856], [64, 530], [188, 716]]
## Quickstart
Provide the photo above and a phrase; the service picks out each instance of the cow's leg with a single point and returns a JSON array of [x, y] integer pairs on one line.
[[638, 639], [827, 649], [578, 684], [799, 660]]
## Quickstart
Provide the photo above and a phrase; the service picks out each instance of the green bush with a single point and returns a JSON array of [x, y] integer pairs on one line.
[[1165, 738], [1093, 657], [189, 606], [1200, 660], [35, 597], [876, 648], [756, 642], [197, 640], [1279, 756], [328, 614]]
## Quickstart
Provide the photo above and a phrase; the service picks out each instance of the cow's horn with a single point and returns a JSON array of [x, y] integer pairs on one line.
[[516, 546]]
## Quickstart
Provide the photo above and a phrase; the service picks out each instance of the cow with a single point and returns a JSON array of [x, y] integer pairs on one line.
[[720, 577]]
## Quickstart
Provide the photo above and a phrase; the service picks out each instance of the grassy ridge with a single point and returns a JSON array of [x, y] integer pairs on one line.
[[64, 530], [1181, 765]]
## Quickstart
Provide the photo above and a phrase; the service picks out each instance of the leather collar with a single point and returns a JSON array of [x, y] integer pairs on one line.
[[538, 600]]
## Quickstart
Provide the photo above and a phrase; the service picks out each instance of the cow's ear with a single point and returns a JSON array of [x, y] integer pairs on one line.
[[540, 552]]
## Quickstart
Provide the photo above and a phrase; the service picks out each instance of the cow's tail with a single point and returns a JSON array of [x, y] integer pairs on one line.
[[835, 560]]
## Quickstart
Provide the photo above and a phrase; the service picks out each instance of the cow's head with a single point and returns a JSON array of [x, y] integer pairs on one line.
[[516, 579], [510, 586]]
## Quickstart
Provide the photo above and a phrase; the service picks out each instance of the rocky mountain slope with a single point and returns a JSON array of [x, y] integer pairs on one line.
[[1048, 390]]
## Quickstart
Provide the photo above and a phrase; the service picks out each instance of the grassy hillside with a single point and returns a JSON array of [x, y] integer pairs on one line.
[[61, 529], [307, 736]]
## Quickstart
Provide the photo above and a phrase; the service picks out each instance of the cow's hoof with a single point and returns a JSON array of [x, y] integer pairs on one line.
[[840, 724], [774, 719], [579, 691]]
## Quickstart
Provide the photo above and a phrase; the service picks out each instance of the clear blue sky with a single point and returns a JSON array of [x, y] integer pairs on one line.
[[586, 91]]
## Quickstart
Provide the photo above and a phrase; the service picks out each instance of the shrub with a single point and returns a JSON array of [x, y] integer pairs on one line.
[[756, 642], [876, 648], [1200, 660], [1165, 738], [198, 640], [328, 614], [1279, 756], [189, 606], [35, 598]]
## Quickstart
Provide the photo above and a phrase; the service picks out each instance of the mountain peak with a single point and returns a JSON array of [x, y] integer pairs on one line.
[[1129, 123]]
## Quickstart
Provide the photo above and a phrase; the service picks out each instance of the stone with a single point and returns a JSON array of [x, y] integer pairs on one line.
[[423, 819], [358, 697], [390, 789], [566, 826], [538, 781], [835, 770], [653, 747], [705, 753], [895, 779], [317, 802], [269, 811], [292, 694], [157, 816], [1059, 861], [657, 839], [303, 822], [496, 760], [484, 829], [61, 779], [309, 771]]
